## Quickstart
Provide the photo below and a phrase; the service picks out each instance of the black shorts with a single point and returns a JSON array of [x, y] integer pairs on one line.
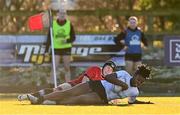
[[133, 57], [97, 87], [66, 51]]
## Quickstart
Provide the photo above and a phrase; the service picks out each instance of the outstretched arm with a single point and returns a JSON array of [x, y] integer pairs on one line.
[[112, 78], [133, 100], [141, 102]]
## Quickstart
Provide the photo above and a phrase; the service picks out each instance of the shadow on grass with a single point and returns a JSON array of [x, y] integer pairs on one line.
[[120, 105]]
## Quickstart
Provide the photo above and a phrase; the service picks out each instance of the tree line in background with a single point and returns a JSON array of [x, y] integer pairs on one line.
[[102, 21]]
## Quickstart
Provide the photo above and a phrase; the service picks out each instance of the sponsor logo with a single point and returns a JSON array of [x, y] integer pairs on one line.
[[175, 51], [35, 53], [135, 40], [85, 51], [177, 55], [172, 51]]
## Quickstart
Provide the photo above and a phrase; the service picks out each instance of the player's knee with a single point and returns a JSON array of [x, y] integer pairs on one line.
[[64, 86]]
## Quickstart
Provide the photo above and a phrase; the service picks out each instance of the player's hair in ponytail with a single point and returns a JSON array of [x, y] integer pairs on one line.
[[143, 70]]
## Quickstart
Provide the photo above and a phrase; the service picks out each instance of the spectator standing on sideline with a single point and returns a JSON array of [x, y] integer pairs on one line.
[[63, 37], [133, 40]]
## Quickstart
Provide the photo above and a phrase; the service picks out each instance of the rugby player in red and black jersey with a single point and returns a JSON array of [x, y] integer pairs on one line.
[[93, 73]]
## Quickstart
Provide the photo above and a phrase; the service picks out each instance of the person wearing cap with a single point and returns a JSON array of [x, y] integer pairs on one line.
[[133, 40], [63, 37]]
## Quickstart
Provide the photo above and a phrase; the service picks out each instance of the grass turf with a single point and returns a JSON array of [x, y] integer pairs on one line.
[[162, 106]]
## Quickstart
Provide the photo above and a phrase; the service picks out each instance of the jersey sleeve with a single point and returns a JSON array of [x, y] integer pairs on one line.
[[144, 40], [90, 71], [78, 80], [122, 74], [120, 37], [72, 35], [94, 73]]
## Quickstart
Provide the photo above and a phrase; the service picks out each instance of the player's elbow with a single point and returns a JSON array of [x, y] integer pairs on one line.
[[124, 86], [110, 76]]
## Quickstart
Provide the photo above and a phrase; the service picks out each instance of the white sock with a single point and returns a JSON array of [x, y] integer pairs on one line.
[[41, 92]]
